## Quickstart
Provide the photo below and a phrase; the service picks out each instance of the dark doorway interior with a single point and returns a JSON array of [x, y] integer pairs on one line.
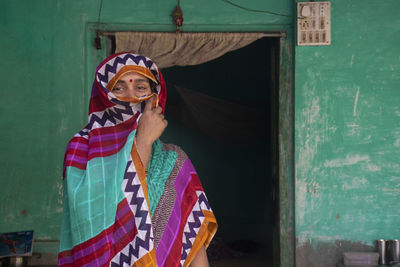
[[236, 161]]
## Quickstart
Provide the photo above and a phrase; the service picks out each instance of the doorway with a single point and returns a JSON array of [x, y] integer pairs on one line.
[[239, 170], [236, 160]]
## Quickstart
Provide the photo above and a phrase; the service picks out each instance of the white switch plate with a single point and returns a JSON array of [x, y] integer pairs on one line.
[[313, 23]]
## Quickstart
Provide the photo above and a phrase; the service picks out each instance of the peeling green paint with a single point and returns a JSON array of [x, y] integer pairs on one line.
[[347, 129], [286, 153]]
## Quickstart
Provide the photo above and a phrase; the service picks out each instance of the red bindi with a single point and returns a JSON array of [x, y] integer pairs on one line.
[[130, 80]]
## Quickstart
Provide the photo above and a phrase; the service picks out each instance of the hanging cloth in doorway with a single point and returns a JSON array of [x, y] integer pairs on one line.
[[171, 49], [223, 121]]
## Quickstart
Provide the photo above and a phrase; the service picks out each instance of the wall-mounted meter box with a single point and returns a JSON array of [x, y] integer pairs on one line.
[[313, 23]]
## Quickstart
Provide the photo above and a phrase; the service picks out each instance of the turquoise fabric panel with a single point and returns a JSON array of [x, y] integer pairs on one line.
[[93, 196], [160, 166]]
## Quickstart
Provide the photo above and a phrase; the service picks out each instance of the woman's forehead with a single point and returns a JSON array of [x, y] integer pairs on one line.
[[133, 76]]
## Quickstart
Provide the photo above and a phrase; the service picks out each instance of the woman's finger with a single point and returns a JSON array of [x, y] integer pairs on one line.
[[158, 110], [149, 104]]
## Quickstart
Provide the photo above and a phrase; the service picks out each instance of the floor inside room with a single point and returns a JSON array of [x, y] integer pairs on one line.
[[257, 260], [240, 253]]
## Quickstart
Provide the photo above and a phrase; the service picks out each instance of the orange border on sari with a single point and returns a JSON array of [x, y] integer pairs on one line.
[[206, 232]]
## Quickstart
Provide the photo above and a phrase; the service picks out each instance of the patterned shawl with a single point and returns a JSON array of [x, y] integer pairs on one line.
[[115, 215]]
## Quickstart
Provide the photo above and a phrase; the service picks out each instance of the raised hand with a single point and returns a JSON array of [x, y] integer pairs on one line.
[[150, 127]]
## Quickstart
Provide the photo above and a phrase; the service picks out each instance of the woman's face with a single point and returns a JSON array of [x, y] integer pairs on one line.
[[132, 84]]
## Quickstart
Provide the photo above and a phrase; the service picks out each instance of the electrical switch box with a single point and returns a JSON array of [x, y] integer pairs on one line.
[[313, 23]]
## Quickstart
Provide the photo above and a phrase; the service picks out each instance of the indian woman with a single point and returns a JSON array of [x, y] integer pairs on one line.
[[129, 199]]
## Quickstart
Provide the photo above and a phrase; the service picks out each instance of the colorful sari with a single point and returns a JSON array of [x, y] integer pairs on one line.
[[114, 213]]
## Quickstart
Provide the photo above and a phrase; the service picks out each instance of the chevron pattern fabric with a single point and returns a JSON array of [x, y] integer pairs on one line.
[[143, 241], [193, 224], [107, 220]]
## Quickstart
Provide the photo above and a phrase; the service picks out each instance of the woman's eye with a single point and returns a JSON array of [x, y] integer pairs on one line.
[[141, 88], [117, 89]]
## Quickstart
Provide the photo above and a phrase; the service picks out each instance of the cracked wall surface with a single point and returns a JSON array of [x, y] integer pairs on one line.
[[347, 134]]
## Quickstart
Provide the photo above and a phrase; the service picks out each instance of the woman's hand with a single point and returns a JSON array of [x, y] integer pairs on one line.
[[200, 260], [150, 127]]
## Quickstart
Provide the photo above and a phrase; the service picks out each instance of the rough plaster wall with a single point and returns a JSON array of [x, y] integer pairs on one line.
[[46, 73], [347, 133], [286, 155]]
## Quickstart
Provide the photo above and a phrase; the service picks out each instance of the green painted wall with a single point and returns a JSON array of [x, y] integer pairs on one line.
[[47, 61], [347, 137]]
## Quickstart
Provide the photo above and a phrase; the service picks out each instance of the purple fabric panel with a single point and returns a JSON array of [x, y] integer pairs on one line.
[[110, 238], [126, 228], [99, 261], [171, 231], [95, 92], [106, 148], [121, 231], [106, 137], [77, 145], [76, 158], [182, 179], [65, 260]]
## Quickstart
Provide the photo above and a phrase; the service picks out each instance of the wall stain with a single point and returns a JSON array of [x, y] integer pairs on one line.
[[60, 192], [356, 101], [397, 143], [352, 61], [24, 212], [349, 160]]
